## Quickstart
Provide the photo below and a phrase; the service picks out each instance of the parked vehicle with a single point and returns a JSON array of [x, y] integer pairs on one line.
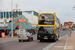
[[25, 36]]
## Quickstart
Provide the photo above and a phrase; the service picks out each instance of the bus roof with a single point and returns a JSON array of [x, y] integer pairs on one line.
[[46, 13]]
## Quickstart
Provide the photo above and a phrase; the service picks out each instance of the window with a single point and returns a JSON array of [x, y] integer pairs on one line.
[[57, 20], [46, 19], [48, 30]]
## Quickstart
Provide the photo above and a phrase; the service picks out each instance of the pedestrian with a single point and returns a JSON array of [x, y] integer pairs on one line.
[[8, 33], [31, 33], [70, 32]]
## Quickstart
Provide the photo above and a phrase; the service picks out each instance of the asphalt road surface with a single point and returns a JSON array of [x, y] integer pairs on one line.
[[31, 45], [62, 33]]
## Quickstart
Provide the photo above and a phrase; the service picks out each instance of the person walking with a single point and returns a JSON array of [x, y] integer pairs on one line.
[[8, 33]]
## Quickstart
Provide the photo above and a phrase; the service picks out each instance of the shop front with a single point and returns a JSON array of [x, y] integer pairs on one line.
[[18, 23]]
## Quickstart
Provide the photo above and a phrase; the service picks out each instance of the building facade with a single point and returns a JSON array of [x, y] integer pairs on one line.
[[6, 17], [9, 14], [68, 24]]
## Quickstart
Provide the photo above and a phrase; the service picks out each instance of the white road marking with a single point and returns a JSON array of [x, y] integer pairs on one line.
[[50, 45], [66, 43]]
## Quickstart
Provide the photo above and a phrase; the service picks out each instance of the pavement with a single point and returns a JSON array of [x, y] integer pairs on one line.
[[8, 39], [66, 43]]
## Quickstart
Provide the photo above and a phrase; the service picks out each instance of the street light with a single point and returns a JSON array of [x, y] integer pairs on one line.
[[12, 18], [0, 14]]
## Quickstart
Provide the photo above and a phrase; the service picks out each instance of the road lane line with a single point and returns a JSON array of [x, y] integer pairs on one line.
[[66, 43], [50, 45]]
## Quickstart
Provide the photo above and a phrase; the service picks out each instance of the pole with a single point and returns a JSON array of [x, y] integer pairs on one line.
[[9, 15], [5, 14], [0, 14], [12, 18], [3, 19]]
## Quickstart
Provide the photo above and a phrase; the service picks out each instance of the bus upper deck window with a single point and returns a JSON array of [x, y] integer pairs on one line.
[[46, 19], [42, 20]]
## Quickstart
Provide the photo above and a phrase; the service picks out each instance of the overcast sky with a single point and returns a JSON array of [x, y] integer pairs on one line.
[[63, 8]]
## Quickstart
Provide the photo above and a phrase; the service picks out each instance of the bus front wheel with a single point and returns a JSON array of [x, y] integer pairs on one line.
[[58, 37], [41, 40], [55, 39]]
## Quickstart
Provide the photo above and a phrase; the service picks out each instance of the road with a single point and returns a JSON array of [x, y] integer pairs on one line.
[[62, 33], [31, 45]]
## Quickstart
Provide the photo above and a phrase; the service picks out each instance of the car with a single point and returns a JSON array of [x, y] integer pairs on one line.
[[24, 37]]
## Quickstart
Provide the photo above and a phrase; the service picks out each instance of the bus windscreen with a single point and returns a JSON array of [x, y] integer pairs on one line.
[[44, 30], [46, 19]]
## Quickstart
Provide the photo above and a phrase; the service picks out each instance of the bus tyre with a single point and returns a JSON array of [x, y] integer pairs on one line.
[[55, 39], [58, 37]]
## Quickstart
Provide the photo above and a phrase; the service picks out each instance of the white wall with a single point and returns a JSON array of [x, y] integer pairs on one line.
[[2, 22], [31, 18], [17, 31]]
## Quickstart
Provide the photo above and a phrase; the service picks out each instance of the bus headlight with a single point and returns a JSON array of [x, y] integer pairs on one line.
[[52, 36]]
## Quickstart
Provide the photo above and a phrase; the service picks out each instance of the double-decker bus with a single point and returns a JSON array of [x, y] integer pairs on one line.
[[48, 27]]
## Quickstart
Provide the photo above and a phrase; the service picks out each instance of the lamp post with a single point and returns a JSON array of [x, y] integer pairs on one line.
[[0, 14], [3, 19], [12, 18]]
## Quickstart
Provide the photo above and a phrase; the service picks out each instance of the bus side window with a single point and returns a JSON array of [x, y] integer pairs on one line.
[[57, 30]]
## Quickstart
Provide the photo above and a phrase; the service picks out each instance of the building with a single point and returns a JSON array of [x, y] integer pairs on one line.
[[9, 14], [30, 15], [32, 12], [6, 17], [68, 24]]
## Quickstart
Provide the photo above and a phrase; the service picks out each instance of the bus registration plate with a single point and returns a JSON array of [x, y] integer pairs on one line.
[[45, 37]]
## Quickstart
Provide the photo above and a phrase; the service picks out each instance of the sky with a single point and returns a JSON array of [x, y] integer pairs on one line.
[[63, 8]]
